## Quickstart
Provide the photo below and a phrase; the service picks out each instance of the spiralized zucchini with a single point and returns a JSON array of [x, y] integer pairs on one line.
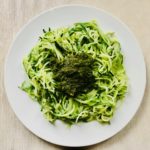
[[61, 98]]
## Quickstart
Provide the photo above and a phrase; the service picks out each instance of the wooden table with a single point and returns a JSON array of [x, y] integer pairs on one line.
[[15, 13]]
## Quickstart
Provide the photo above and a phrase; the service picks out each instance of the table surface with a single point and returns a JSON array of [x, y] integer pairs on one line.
[[15, 13]]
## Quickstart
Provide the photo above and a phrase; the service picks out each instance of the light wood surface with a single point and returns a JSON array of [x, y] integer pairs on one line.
[[15, 13]]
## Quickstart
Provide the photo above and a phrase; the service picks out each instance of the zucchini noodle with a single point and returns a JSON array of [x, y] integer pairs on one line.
[[76, 74]]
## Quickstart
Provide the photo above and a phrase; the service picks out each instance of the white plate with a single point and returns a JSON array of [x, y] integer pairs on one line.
[[29, 112]]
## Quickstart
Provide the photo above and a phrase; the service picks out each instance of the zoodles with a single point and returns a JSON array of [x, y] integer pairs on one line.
[[76, 74]]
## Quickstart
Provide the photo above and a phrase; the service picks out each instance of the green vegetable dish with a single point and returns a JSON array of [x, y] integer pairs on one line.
[[76, 74]]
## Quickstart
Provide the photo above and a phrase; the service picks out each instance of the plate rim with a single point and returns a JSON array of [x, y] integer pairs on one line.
[[50, 10]]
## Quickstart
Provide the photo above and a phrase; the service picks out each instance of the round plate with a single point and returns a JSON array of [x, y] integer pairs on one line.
[[28, 111]]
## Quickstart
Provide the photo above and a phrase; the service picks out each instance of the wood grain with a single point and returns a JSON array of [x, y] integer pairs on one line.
[[15, 13]]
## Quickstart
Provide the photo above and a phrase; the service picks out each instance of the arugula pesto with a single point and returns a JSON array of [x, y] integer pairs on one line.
[[74, 74]]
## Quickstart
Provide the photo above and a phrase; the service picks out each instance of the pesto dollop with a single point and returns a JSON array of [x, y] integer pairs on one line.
[[74, 75]]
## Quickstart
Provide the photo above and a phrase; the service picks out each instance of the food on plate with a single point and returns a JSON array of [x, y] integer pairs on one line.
[[76, 73]]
